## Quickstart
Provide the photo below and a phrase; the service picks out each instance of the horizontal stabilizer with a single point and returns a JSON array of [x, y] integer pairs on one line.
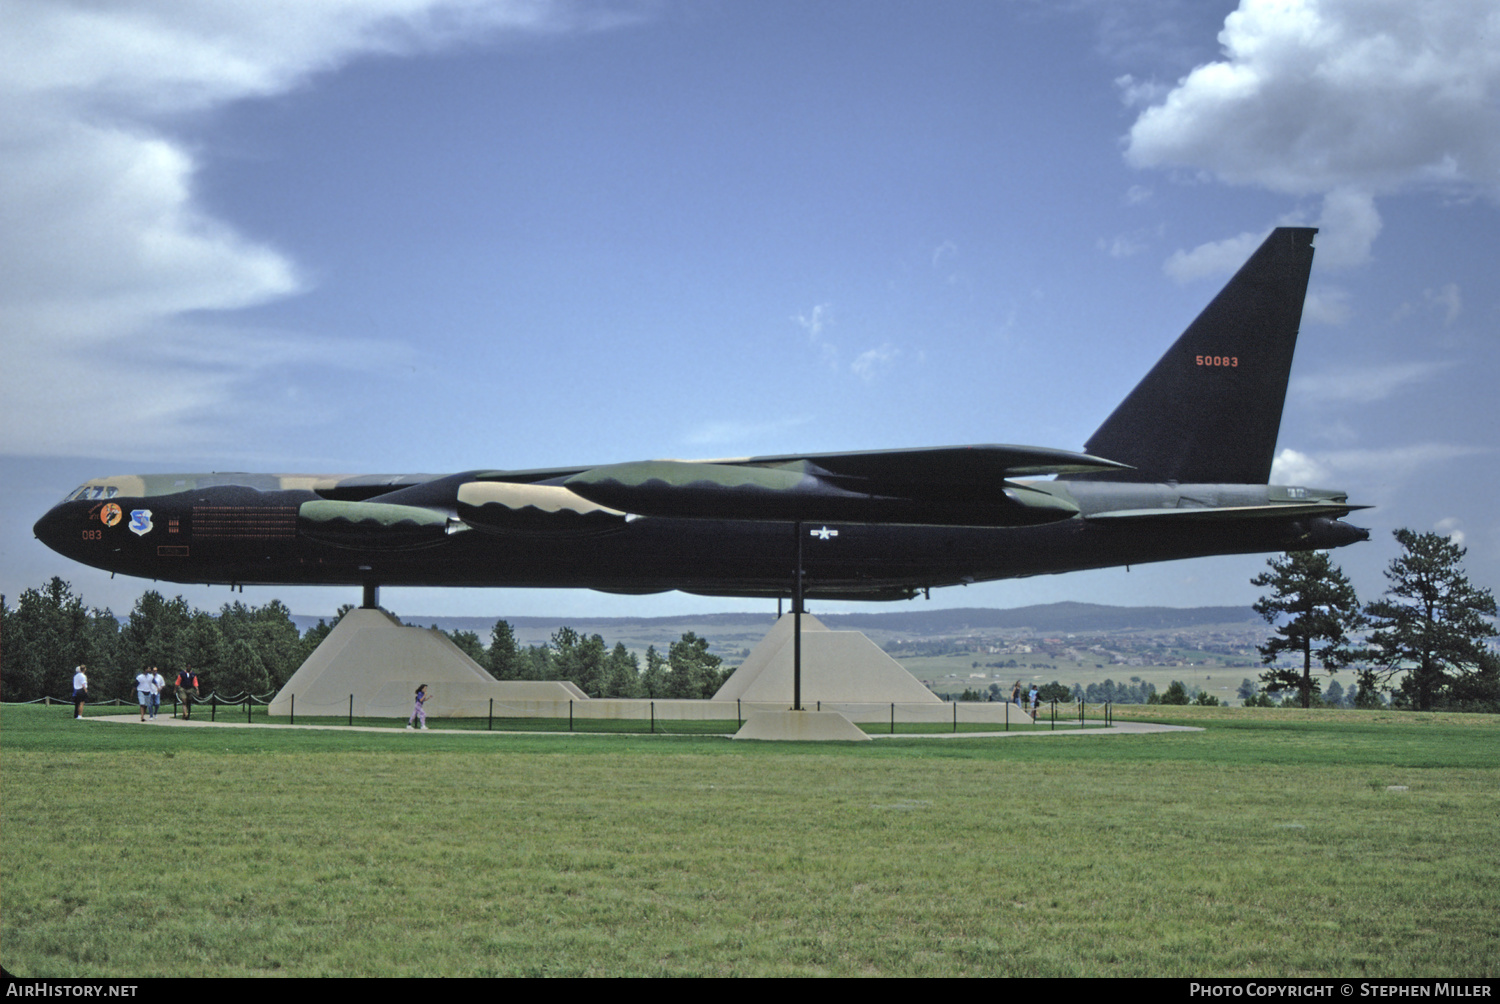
[[1231, 512]]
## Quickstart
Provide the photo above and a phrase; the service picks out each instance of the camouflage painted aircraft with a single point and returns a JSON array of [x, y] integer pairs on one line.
[[1179, 470]]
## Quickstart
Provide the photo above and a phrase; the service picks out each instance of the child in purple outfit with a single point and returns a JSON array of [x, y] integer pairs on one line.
[[419, 712]]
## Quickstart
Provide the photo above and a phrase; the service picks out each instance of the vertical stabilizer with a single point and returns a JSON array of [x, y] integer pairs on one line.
[[1209, 411]]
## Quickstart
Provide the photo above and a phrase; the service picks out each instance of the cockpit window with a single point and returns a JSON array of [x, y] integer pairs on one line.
[[87, 493]]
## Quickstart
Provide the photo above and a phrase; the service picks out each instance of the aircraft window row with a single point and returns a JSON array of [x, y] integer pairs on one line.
[[89, 493]]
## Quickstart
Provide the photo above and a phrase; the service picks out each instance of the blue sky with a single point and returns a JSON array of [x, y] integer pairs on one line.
[[433, 235]]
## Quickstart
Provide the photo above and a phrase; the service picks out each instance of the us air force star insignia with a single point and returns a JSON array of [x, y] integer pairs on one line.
[[140, 522], [823, 533]]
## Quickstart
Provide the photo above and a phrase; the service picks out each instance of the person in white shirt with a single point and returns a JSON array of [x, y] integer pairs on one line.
[[145, 683], [80, 691], [157, 683]]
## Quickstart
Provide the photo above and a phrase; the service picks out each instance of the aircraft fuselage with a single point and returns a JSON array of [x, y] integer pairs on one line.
[[241, 534]]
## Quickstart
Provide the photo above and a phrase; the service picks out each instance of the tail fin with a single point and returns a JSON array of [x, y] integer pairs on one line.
[[1209, 411]]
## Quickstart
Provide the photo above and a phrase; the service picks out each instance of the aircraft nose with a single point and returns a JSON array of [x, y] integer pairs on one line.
[[49, 529]]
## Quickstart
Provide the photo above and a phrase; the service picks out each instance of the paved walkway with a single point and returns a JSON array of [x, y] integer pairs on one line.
[[227, 722]]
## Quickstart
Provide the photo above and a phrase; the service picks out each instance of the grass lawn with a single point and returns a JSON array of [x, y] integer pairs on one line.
[[1271, 844]]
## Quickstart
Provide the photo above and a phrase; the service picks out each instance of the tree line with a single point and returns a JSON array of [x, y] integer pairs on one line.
[[1426, 638], [248, 649]]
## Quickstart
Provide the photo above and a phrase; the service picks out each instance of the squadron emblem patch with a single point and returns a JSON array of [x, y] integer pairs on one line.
[[140, 522]]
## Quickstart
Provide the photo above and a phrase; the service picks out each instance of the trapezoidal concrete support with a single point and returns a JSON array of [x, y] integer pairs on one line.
[[378, 662], [837, 667]]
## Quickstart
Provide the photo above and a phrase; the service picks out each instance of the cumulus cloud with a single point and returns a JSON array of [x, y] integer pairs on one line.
[[1347, 227], [103, 247], [1347, 99], [1215, 258], [1314, 95], [1326, 304]]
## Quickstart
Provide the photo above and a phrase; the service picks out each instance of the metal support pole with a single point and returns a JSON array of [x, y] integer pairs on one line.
[[797, 624]]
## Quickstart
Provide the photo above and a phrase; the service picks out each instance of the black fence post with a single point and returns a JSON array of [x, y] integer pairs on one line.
[[213, 706], [570, 714], [351, 709], [491, 727], [893, 718], [293, 719]]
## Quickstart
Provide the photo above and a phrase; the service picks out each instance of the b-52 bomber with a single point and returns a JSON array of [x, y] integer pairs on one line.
[[1179, 470]]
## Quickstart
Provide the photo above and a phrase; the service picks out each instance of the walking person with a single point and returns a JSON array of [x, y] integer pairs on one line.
[[80, 691], [157, 683], [419, 712], [145, 683], [187, 691]]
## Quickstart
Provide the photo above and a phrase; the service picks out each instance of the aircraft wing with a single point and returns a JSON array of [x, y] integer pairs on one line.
[[955, 485]]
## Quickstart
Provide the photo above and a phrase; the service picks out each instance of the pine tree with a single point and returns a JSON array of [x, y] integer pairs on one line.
[[505, 661], [1432, 621], [1321, 609]]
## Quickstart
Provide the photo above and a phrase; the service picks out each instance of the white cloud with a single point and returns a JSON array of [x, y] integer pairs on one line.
[[1348, 99], [870, 362], [1215, 258], [1338, 467], [1347, 228], [1447, 300], [1314, 95], [1364, 384], [814, 322], [1449, 528], [1326, 304], [731, 432], [1293, 468], [1138, 93], [103, 247], [1121, 246]]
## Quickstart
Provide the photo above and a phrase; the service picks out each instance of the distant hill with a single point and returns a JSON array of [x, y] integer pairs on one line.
[[1048, 618]]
